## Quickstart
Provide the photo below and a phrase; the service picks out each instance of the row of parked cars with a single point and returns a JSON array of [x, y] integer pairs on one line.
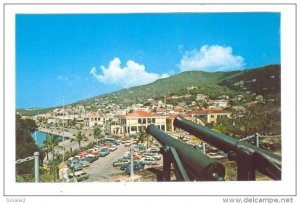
[[141, 157], [85, 158]]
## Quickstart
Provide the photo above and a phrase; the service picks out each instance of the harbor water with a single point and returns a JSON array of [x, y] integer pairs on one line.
[[40, 137]]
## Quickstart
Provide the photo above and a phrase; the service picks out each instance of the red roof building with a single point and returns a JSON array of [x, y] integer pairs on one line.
[[138, 121]]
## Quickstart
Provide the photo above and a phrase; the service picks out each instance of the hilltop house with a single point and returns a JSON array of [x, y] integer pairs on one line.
[[218, 103], [201, 97]]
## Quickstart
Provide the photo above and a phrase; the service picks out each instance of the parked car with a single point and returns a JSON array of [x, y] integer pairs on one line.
[[148, 161], [83, 154], [120, 162], [80, 175], [112, 148], [103, 152], [124, 166], [136, 167], [91, 158], [126, 154], [127, 144], [155, 156], [76, 165], [84, 163], [70, 161], [141, 147]]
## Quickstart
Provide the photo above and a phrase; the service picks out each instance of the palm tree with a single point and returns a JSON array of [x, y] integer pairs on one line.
[[97, 133], [79, 137], [51, 142], [143, 136]]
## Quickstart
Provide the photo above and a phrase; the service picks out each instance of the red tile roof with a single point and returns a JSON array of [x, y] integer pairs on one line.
[[140, 114]]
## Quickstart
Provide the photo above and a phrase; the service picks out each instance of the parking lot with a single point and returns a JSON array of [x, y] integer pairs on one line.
[[102, 169]]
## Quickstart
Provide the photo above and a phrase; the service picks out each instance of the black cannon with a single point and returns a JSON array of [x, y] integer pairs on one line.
[[189, 163], [248, 157]]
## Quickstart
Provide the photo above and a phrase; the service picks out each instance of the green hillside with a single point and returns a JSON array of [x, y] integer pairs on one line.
[[264, 81], [164, 87]]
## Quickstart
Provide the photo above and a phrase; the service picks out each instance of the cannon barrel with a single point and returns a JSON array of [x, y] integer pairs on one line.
[[198, 166], [265, 162]]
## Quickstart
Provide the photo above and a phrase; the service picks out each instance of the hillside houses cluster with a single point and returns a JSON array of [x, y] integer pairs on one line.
[[115, 119]]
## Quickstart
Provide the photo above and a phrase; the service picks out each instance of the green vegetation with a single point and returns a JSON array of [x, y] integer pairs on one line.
[[263, 81], [79, 137], [25, 147], [51, 143], [264, 119]]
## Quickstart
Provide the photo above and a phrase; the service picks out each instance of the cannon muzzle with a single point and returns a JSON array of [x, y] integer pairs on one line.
[[197, 165], [264, 161]]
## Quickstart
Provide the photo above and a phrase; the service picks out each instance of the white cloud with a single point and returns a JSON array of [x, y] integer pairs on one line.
[[165, 76], [132, 74], [211, 58]]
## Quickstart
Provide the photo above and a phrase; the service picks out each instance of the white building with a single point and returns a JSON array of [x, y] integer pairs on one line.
[[92, 119], [139, 120], [201, 97]]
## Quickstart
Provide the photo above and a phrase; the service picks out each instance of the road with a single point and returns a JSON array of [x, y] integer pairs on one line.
[[102, 169]]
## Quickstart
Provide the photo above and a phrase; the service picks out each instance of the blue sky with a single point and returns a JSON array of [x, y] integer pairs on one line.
[[81, 56]]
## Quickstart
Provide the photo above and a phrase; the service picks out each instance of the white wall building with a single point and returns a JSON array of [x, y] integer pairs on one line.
[[139, 120]]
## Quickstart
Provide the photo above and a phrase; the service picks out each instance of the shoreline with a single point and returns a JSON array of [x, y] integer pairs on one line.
[[67, 144], [57, 133]]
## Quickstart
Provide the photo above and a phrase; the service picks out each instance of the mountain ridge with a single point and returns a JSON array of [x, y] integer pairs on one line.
[[206, 81]]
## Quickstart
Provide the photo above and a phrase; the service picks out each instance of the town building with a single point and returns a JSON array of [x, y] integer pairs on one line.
[[211, 115], [93, 119], [201, 97], [138, 121], [171, 118]]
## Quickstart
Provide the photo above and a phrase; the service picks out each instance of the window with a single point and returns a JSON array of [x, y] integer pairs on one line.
[[153, 120], [139, 121], [148, 120], [133, 128], [144, 121], [123, 121], [221, 116]]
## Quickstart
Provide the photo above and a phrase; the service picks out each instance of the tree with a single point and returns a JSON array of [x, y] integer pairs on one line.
[[97, 132], [259, 118], [25, 147], [51, 142], [228, 127], [143, 136], [79, 137]]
